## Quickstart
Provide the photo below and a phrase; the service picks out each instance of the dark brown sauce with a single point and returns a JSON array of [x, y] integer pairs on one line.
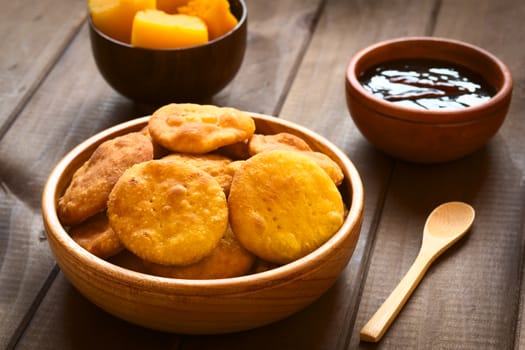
[[426, 84]]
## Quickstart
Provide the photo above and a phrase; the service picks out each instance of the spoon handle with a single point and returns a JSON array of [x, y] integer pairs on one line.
[[385, 315]]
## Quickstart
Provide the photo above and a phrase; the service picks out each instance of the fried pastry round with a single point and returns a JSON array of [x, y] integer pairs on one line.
[[96, 236], [88, 192], [285, 141], [193, 128], [259, 143], [330, 166], [214, 164], [228, 259], [283, 205], [168, 212]]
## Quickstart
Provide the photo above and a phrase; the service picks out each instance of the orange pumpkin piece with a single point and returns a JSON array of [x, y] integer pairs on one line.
[[157, 29], [115, 17], [215, 13]]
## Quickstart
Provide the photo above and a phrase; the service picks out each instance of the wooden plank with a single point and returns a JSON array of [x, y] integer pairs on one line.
[[66, 108], [470, 297], [277, 36], [316, 100], [33, 37], [41, 134], [80, 325], [27, 55], [79, 103], [503, 42], [465, 308], [71, 104]]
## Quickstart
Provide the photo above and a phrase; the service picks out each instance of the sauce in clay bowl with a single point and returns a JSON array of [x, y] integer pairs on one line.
[[436, 125]]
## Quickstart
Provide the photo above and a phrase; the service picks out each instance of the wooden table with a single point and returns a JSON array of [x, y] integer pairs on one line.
[[52, 97]]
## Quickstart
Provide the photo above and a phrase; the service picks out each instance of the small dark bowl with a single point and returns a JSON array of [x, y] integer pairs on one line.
[[161, 76], [428, 136]]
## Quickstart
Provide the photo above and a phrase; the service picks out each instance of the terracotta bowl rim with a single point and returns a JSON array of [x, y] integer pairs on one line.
[[253, 282], [443, 117], [241, 22]]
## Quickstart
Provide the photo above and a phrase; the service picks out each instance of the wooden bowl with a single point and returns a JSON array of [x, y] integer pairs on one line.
[[203, 306], [427, 136], [161, 76]]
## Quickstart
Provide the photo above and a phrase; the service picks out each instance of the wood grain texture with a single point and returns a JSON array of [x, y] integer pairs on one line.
[[74, 102], [445, 225], [71, 103], [28, 54], [277, 36], [84, 325], [473, 290], [471, 298]]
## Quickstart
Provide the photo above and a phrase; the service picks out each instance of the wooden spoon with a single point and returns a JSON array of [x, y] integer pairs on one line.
[[444, 227]]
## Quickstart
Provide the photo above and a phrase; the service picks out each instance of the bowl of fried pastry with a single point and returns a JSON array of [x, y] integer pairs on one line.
[[202, 219]]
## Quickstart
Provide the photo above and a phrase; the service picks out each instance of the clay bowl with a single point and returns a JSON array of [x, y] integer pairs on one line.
[[203, 306], [160, 76], [427, 136]]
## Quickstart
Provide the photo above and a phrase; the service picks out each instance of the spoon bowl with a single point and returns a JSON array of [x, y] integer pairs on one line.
[[444, 226]]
